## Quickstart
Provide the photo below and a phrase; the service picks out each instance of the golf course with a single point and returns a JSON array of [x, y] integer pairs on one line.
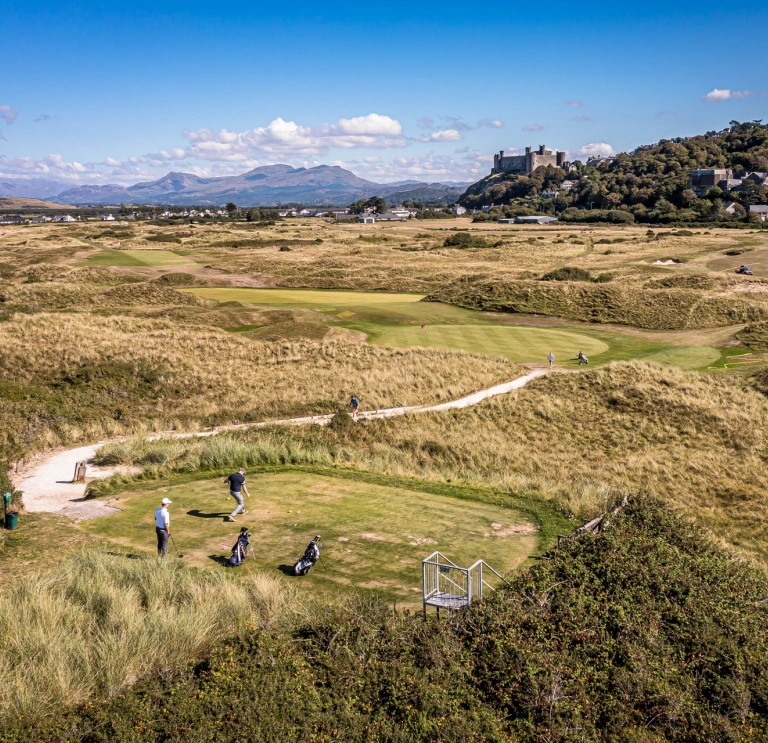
[[405, 321]]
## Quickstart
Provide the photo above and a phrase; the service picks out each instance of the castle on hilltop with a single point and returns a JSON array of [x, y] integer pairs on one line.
[[527, 163]]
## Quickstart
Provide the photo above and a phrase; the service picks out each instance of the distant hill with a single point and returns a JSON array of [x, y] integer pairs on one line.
[[35, 188], [433, 193], [22, 204], [270, 185]]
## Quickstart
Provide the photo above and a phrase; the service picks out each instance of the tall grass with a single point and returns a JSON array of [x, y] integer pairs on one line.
[[99, 622]]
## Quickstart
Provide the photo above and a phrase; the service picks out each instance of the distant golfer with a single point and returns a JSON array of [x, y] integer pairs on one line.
[[582, 358], [355, 403], [551, 359], [236, 488], [163, 527]]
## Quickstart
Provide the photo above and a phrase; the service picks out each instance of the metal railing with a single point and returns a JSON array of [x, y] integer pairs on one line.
[[445, 585]]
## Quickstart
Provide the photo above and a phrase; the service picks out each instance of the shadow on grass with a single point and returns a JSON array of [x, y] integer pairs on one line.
[[220, 559], [286, 570], [197, 513], [129, 555]]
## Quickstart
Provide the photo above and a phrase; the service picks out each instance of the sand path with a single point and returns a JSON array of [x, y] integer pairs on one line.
[[46, 483]]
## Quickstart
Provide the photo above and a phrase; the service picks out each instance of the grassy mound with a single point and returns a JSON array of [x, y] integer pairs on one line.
[[657, 308], [69, 377], [754, 336], [645, 633]]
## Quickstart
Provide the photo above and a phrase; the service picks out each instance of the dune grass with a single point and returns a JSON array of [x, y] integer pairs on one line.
[[98, 622], [75, 377]]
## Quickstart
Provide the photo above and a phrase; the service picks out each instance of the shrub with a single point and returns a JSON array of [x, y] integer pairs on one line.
[[464, 240], [568, 273]]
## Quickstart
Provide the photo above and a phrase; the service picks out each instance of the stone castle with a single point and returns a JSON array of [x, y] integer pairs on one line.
[[527, 163]]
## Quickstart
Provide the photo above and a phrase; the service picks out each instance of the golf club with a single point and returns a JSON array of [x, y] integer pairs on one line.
[[178, 554]]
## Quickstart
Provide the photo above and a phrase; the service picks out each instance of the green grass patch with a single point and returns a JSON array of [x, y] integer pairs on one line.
[[304, 297], [112, 257], [516, 343], [375, 534]]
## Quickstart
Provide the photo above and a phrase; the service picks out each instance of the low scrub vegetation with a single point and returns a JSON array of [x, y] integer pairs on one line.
[[647, 632]]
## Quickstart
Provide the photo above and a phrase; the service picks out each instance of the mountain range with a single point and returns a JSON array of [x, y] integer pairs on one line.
[[270, 185]]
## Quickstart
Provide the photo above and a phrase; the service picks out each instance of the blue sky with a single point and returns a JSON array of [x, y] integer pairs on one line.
[[98, 93]]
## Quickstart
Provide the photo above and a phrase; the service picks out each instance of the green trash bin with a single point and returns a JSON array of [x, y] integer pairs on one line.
[[11, 519]]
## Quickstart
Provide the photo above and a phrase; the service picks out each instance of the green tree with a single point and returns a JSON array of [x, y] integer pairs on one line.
[[231, 207]]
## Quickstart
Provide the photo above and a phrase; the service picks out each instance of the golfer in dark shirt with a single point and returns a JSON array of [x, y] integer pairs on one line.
[[236, 485]]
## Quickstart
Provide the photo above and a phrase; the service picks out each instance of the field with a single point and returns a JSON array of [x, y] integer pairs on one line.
[[374, 536]]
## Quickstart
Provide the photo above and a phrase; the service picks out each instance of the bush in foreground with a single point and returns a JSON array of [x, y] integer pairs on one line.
[[647, 632]]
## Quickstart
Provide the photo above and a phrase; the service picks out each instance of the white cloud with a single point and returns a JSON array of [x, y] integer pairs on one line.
[[373, 159], [574, 104], [596, 148], [9, 114], [724, 94], [2, 138], [444, 135], [289, 139], [532, 128], [581, 118], [492, 123], [111, 161], [43, 117]]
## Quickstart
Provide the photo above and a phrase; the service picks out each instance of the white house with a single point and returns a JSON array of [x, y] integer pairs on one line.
[[761, 210], [65, 218], [458, 210], [107, 218], [366, 218], [40, 219]]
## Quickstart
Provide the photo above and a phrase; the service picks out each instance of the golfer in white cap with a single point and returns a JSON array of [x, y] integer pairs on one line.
[[163, 527]]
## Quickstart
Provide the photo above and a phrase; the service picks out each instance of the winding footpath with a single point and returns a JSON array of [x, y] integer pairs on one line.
[[46, 488]]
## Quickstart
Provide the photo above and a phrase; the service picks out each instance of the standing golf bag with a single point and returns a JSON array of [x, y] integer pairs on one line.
[[240, 550], [309, 558]]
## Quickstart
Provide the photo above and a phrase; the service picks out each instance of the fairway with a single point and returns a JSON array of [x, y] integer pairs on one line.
[[111, 257], [304, 297], [375, 536], [513, 342]]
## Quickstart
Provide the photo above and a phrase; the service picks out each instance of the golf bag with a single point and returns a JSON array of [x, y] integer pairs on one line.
[[309, 558], [240, 550]]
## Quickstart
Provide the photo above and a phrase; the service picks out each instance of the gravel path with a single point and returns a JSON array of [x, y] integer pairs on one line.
[[47, 487]]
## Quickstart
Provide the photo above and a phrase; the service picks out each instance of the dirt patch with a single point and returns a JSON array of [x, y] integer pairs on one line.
[[374, 537], [498, 530], [417, 541]]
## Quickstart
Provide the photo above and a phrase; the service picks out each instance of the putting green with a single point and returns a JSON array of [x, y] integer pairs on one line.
[[304, 297], [111, 257], [375, 536], [514, 342]]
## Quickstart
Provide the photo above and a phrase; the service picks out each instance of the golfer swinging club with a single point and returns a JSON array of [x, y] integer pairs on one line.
[[163, 527], [236, 484]]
